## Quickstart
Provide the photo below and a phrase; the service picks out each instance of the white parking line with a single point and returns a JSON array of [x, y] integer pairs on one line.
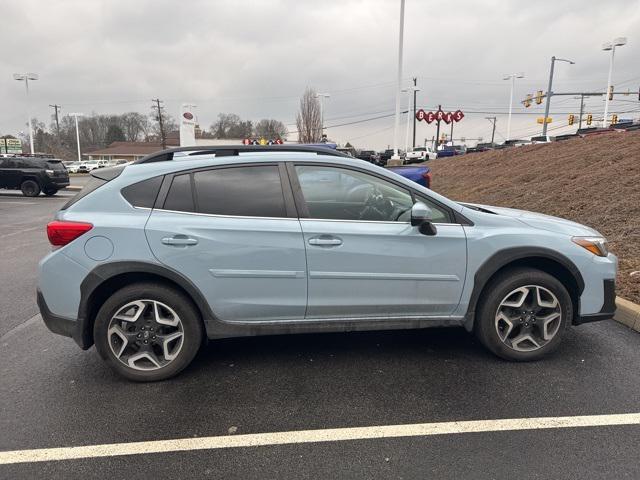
[[311, 436]]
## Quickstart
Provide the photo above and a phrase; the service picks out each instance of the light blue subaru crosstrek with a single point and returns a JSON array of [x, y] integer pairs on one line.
[[153, 258]]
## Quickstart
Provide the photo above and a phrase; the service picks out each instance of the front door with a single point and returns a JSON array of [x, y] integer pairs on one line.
[[227, 230], [364, 258]]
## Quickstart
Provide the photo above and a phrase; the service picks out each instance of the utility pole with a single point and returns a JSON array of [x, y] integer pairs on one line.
[[493, 132], [158, 107], [415, 91], [581, 111], [438, 130], [56, 108]]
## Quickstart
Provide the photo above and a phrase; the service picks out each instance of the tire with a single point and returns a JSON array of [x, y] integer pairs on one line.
[[30, 188], [171, 303], [528, 326], [50, 192]]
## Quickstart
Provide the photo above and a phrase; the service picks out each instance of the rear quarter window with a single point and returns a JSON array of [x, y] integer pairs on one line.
[[144, 193]]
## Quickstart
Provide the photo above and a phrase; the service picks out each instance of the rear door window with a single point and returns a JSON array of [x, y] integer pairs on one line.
[[251, 191]]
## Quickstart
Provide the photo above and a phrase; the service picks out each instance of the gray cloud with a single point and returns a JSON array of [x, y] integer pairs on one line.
[[255, 58]]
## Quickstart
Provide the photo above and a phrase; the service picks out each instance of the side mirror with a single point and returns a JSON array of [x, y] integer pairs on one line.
[[421, 216]]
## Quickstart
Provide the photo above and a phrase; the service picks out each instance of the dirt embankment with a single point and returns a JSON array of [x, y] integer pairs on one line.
[[593, 180]]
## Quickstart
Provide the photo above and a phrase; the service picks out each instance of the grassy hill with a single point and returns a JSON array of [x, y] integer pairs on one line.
[[593, 180]]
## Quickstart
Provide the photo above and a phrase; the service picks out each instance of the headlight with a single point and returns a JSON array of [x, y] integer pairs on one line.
[[596, 245], [49, 172]]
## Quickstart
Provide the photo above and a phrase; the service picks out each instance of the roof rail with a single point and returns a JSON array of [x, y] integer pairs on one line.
[[234, 150]]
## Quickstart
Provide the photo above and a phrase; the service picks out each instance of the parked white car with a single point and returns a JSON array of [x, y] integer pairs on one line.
[[72, 167], [420, 154], [89, 165]]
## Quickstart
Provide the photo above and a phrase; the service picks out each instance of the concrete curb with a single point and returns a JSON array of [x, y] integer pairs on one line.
[[74, 188], [627, 313]]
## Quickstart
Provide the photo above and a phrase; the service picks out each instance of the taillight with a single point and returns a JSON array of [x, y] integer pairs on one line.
[[427, 179], [62, 233]]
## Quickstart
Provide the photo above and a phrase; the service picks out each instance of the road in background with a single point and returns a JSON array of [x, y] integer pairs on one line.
[[54, 394]]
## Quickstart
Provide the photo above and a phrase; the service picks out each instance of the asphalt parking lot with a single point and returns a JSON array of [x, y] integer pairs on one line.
[[55, 395]]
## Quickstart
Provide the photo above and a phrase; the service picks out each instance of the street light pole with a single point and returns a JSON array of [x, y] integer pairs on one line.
[[26, 77], [550, 93], [415, 91], [396, 130], [76, 115], [408, 91], [618, 42], [322, 96], [512, 77]]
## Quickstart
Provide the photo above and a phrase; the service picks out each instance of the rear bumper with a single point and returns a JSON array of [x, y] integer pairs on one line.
[[608, 309], [57, 182], [64, 326]]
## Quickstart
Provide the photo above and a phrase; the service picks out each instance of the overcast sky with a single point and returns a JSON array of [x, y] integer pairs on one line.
[[255, 58]]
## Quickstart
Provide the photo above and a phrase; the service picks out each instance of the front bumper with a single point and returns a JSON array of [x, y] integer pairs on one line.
[[67, 327], [608, 309]]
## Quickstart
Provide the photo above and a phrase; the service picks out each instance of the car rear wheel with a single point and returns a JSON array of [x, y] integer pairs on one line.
[[148, 332], [30, 188], [523, 314]]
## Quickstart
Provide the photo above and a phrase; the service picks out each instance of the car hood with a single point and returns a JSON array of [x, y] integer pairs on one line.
[[540, 220]]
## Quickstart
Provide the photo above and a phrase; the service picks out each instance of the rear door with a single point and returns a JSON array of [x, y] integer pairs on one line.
[[234, 233], [364, 258]]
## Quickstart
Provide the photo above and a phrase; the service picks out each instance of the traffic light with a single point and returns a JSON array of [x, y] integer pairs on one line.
[[589, 119], [527, 101], [614, 119], [610, 92], [539, 97], [571, 118]]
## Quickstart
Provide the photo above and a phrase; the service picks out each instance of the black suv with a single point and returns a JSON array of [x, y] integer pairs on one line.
[[33, 175]]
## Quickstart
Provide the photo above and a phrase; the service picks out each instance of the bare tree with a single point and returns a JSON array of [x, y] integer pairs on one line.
[[230, 125], [135, 126], [308, 118], [270, 129]]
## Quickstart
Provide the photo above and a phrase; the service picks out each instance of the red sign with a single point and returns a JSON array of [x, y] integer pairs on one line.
[[458, 115], [439, 116], [188, 115]]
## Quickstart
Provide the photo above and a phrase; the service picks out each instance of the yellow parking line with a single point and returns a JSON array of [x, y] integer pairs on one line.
[[311, 436]]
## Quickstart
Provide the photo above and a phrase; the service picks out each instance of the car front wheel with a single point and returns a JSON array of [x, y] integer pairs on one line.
[[148, 332], [523, 314]]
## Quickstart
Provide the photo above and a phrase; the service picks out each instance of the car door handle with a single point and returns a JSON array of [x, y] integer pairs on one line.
[[325, 241], [179, 241]]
